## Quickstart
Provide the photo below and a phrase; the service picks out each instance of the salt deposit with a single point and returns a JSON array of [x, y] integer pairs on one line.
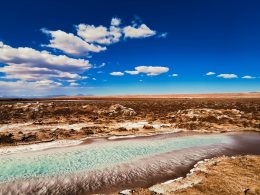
[[37, 147], [140, 124], [35, 127]]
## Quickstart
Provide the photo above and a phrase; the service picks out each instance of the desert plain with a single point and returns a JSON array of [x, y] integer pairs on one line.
[[63, 121]]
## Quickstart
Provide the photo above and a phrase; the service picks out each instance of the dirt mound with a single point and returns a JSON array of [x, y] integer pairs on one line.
[[212, 118], [118, 109]]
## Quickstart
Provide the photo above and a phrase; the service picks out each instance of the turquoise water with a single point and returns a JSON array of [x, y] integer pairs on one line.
[[94, 156]]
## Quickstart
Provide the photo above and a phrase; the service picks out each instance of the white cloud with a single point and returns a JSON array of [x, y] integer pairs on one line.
[[68, 75], [115, 21], [138, 32], [47, 83], [23, 88], [175, 75], [210, 73], [163, 35], [91, 34], [103, 35], [117, 73], [149, 70], [90, 37], [38, 88], [114, 34], [248, 77], [32, 58], [99, 66], [71, 44], [227, 76], [31, 68], [24, 84], [132, 72], [74, 84], [23, 72], [99, 34]]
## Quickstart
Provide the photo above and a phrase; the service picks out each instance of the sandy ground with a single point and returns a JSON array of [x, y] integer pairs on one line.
[[222, 175], [64, 121], [31, 121]]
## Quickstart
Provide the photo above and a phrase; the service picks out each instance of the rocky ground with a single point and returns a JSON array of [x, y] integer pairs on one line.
[[222, 175], [46, 120], [70, 119]]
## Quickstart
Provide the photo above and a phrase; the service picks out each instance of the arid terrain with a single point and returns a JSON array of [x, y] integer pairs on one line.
[[27, 121], [221, 175]]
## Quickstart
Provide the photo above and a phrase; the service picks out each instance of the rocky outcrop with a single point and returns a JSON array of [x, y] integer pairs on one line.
[[118, 109], [212, 118]]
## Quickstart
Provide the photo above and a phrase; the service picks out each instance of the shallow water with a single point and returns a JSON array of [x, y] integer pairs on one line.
[[109, 165], [95, 156]]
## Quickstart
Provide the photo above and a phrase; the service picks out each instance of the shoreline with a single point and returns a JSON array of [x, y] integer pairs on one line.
[[208, 172], [96, 138], [155, 169]]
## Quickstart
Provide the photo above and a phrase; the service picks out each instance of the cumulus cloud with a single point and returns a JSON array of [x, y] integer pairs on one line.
[[210, 73], [149, 70], [175, 75], [23, 72], [115, 34], [32, 68], [117, 73], [138, 32], [90, 33], [115, 21], [248, 77], [152, 70], [71, 44], [132, 72], [90, 38], [32, 58], [103, 35], [100, 34], [227, 76]]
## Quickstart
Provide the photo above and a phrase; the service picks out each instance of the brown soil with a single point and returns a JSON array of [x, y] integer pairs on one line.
[[223, 175], [225, 112]]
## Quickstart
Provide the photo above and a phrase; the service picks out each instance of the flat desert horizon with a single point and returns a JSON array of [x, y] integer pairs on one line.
[[179, 95], [143, 96]]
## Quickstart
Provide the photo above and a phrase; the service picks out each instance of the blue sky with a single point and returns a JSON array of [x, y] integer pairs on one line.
[[106, 47]]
